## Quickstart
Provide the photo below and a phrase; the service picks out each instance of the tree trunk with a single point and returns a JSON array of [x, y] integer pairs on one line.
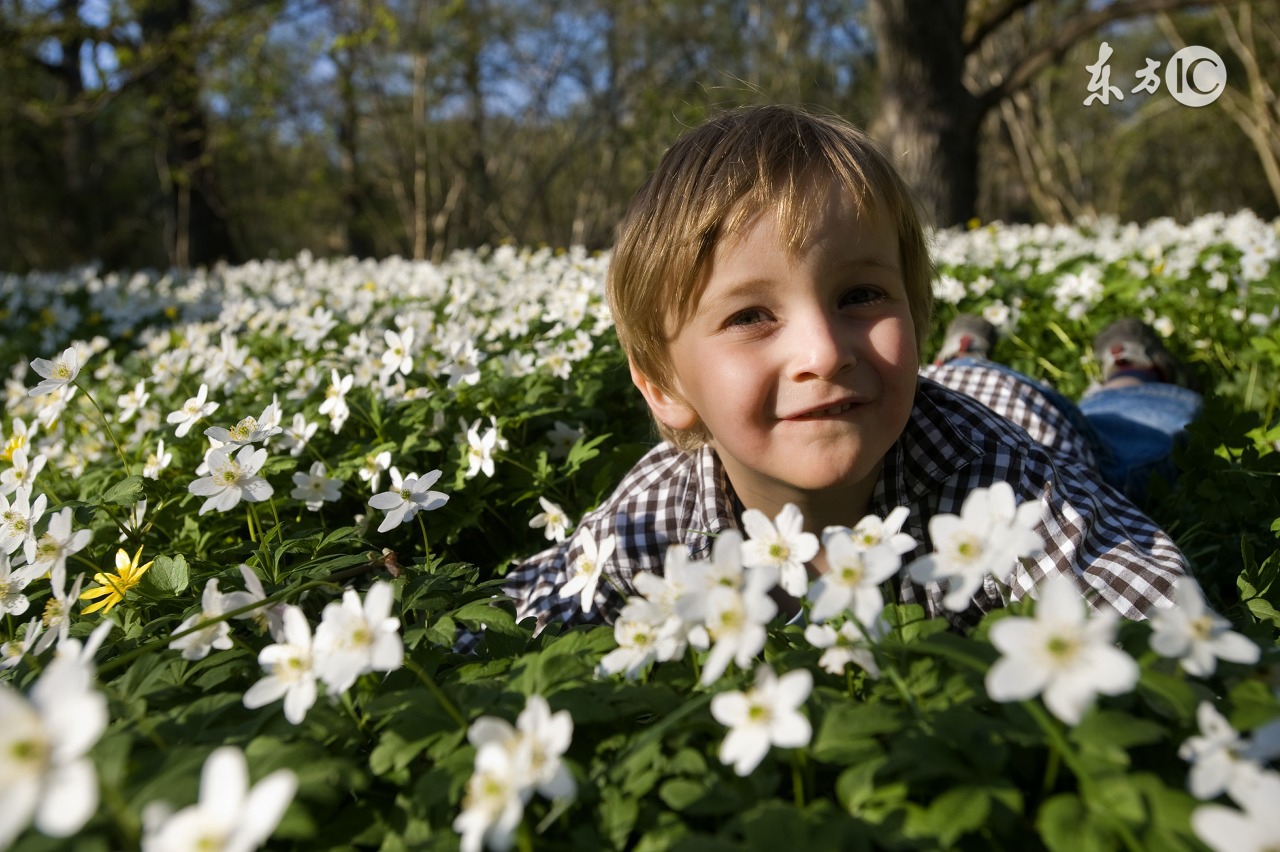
[[194, 206], [928, 121]]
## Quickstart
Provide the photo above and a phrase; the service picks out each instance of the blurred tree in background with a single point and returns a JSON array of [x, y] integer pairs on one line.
[[183, 132]]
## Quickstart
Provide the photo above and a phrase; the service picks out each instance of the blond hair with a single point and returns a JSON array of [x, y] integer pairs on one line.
[[717, 178]]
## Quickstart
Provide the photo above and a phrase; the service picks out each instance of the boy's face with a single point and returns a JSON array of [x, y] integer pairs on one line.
[[802, 366]]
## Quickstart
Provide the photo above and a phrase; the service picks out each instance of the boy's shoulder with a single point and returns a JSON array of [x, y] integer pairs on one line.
[[1049, 418], [953, 444], [668, 497]]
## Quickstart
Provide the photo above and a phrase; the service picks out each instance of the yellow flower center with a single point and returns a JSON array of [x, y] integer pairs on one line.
[[53, 612], [851, 574], [244, 428], [1063, 648], [1202, 628]]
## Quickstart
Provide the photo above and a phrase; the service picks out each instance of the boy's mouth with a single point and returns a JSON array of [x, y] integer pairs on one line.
[[827, 411]]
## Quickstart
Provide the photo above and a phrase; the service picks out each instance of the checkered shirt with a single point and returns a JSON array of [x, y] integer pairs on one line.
[[951, 445]]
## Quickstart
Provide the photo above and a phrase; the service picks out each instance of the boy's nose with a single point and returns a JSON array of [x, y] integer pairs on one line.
[[819, 350]]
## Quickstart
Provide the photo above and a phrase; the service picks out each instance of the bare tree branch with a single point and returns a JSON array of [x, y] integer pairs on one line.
[[977, 29]]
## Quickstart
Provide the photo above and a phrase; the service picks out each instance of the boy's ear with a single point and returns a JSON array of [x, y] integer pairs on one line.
[[670, 410]]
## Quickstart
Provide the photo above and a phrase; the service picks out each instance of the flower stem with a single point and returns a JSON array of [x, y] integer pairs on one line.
[[107, 423], [434, 688], [1059, 747], [426, 545], [797, 779]]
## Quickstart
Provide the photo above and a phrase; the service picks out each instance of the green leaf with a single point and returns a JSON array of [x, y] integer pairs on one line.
[[705, 796], [1264, 611], [168, 577], [1066, 825], [856, 785], [126, 492], [956, 812], [847, 732], [1116, 796]]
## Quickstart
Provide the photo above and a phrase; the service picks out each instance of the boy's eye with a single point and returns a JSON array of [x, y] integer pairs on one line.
[[750, 316], [861, 296]]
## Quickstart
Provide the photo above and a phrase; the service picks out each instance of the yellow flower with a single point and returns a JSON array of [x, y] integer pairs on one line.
[[127, 575]]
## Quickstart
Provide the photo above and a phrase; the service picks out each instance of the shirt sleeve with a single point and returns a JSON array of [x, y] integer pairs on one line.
[[535, 586], [1093, 533]]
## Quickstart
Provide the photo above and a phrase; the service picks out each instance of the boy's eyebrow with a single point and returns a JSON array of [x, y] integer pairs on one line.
[[753, 286]]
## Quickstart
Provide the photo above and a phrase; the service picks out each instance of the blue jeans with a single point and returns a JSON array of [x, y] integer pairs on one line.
[[1134, 430], [1131, 430]]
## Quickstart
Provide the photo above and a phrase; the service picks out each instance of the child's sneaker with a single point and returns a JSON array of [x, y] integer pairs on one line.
[[967, 336], [1131, 347]]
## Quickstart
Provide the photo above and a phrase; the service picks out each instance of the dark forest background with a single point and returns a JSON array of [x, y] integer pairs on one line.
[[156, 133]]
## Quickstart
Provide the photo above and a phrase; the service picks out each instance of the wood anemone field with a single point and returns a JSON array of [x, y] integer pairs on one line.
[[281, 665]]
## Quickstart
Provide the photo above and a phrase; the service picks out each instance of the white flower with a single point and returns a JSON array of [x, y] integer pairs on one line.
[[644, 632], [211, 633], [1255, 829], [250, 430], [399, 355], [59, 542], [537, 742], [766, 715], [192, 412], [157, 461], [58, 373], [586, 570], [1222, 760], [480, 451], [290, 673], [407, 497], [12, 652], [493, 805], [270, 618], [987, 537], [295, 438], [57, 610], [18, 522], [130, 402], [562, 438], [335, 400], [44, 741], [354, 638], [847, 645], [733, 618], [372, 468], [553, 518], [852, 580], [12, 584], [22, 473], [231, 480], [315, 489], [464, 363], [872, 531], [1195, 635], [1061, 652], [229, 815], [782, 543]]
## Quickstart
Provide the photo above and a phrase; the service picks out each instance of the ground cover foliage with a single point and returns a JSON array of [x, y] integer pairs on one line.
[[499, 369]]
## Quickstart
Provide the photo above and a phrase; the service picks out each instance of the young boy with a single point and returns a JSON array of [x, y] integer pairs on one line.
[[771, 287]]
